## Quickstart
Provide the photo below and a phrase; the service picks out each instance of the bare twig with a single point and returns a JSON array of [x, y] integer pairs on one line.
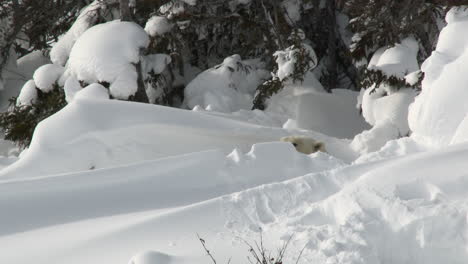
[[300, 254], [202, 241]]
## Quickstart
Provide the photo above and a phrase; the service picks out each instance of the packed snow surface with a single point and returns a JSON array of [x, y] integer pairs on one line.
[[107, 181]]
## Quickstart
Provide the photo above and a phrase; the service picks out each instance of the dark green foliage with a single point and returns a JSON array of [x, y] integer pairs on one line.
[[381, 23], [19, 122], [40, 21], [265, 91], [305, 61], [170, 95], [377, 77], [212, 31]]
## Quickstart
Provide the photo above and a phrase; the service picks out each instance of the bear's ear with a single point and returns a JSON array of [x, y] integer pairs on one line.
[[318, 146]]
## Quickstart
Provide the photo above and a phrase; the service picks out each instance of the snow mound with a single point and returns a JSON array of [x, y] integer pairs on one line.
[[332, 114], [393, 108], [372, 140], [227, 87], [105, 133], [441, 107], [107, 53], [391, 149], [150, 257], [46, 76], [93, 91]]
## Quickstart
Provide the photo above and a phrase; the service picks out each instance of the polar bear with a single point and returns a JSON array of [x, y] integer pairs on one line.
[[305, 144]]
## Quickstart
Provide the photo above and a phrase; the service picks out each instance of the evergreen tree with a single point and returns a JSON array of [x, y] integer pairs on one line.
[[378, 24]]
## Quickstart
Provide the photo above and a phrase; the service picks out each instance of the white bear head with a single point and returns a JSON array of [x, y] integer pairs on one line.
[[304, 144]]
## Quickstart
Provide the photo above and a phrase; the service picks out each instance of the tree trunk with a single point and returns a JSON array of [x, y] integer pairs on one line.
[[140, 95], [332, 47]]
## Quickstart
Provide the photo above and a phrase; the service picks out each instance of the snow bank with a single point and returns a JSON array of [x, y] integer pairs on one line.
[[227, 87], [440, 109], [105, 133], [371, 151], [158, 184], [93, 91], [379, 107], [408, 209], [107, 53], [373, 139], [332, 114]]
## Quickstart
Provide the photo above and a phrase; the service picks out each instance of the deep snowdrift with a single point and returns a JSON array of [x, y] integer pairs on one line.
[[91, 134], [439, 112], [408, 209]]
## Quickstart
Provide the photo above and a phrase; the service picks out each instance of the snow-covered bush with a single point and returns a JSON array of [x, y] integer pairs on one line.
[[227, 87], [158, 79], [31, 107], [293, 65], [386, 96], [439, 113], [108, 54], [89, 16]]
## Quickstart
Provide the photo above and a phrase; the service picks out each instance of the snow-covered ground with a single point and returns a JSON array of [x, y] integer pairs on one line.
[[108, 181], [104, 181]]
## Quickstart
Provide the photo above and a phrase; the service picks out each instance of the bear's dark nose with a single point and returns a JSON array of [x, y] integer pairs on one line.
[[294, 144]]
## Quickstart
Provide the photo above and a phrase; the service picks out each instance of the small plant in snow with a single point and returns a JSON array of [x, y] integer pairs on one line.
[[258, 253]]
